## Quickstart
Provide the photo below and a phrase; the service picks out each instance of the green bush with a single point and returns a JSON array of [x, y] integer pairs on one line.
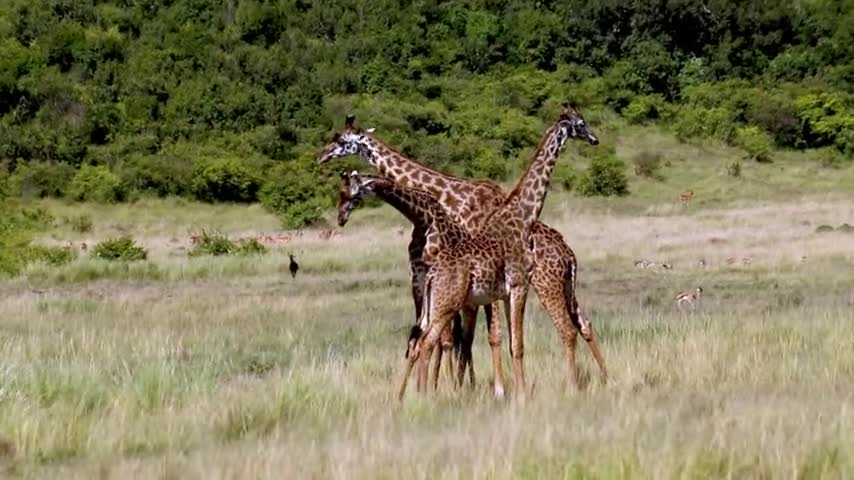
[[224, 180], [829, 118], [213, 244], [486, 164], [297, 193], [41, 179], [159, 175], [16, 230], [96, 183], [122, 249], [755, 142], [648, 164], [643, 108], [564, 177], [250, 246], [216, 244], [701, 122], [605, 177], [777, 115]]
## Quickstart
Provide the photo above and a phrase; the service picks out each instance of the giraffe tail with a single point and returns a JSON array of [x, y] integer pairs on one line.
[[580, 321]]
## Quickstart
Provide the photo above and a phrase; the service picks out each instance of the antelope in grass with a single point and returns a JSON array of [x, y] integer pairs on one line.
[[689, 298], [686, 197]]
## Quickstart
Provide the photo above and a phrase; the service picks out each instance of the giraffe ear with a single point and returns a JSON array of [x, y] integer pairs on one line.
[[348, 122], [370, 130]]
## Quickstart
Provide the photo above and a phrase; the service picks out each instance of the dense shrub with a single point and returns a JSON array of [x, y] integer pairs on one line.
[[224, 180], [297, 194], [121, 248], [643, 108], [486, 164], [159, 175], [755, 142], [777, 115], [605, 177], [41, 179], [702, 122], [250, 246], [565, 177], [96, 183], [216, 244], [830, 119]]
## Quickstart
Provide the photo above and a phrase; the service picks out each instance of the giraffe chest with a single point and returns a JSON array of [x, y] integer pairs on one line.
[[488, 282]]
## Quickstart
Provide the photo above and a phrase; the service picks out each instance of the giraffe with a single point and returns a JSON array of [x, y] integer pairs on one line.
[[495, 264], [438, 230], [470, 202]]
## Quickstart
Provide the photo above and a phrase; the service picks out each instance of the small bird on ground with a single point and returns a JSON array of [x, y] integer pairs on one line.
[[293, 267]]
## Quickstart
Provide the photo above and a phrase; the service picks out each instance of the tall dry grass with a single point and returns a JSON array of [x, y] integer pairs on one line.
[[227, 368]]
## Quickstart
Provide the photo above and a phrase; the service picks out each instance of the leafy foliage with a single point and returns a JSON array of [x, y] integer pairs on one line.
[[96, 183], [197, 98], [121, 249], [605, 177], [224, 179], [755, 142], [41, 179], [216, 244], [296, 194]]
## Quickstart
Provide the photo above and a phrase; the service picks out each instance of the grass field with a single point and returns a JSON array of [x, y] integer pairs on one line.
[[226, 367]]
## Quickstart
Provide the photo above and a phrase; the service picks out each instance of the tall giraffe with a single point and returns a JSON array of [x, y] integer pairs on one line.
[[470, 202], [495, 264], [439, 231]]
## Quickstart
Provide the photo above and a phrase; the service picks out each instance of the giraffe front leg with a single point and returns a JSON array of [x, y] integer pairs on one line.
[[466, 340], [516, 307], [428, 344], [493, 324]]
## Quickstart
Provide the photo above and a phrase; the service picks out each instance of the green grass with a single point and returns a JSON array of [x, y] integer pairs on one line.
[[225, 367]]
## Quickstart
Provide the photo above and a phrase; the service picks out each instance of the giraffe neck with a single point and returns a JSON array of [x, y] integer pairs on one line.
[[400, 169], [529, 195], [418, 206]]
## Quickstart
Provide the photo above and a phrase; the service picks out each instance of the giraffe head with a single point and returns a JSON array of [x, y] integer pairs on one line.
[[349, 141], [353, 189], [574, 125]]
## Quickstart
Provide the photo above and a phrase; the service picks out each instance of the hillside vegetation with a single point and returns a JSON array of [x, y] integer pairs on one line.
[[220, 100]]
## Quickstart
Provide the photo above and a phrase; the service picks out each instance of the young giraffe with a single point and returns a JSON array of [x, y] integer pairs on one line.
[[439, 231], [495, 263], [470, 202]]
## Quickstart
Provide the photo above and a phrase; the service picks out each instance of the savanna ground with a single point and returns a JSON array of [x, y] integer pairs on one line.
[[227, 368]]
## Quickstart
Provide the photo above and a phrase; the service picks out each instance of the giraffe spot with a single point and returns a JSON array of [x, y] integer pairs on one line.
[[440, 182], [451, 202]]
